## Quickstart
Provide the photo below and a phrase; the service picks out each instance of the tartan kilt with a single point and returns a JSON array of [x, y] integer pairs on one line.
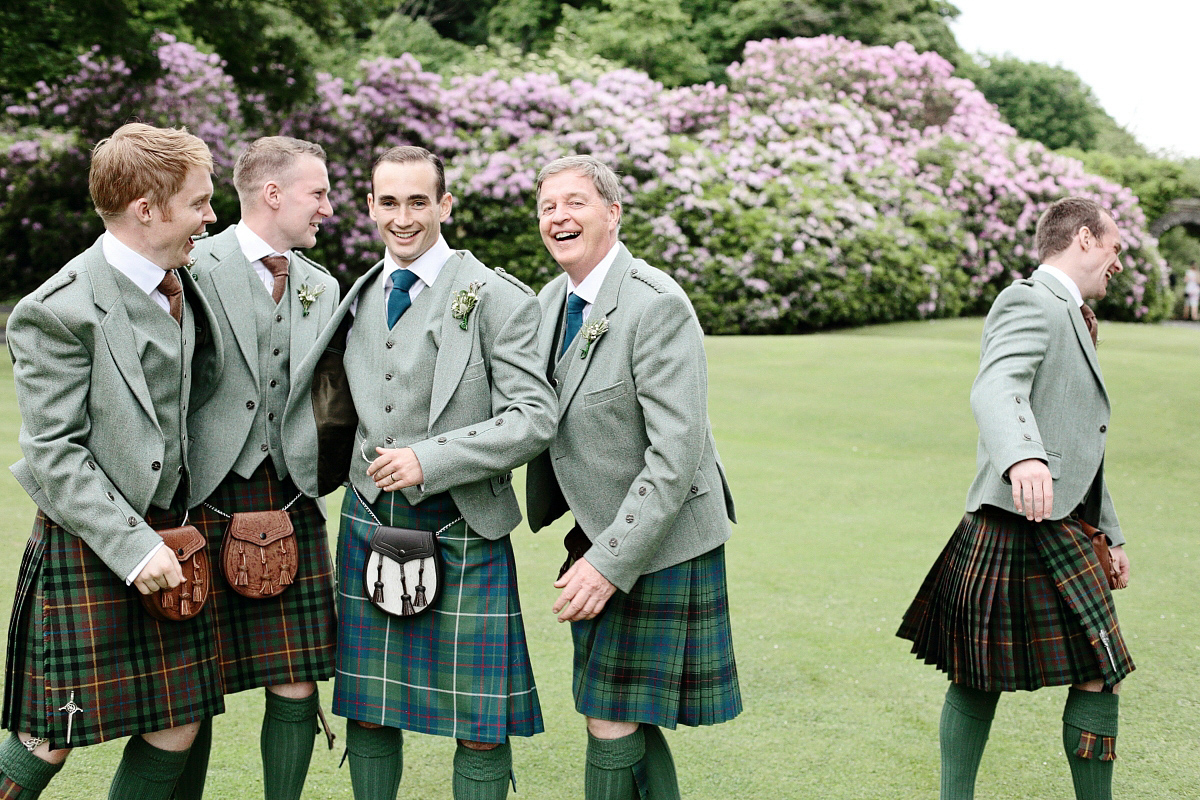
[[460, 669], [1012, 604], [283, 639], [663, 653], [78, 633]]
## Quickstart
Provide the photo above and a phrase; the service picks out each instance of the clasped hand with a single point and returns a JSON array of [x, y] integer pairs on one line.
[[396, 469]]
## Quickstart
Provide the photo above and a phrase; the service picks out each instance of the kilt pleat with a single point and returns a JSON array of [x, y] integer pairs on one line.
[[461, 669], [663, 653], [80, 638], [1010, 604], [284, 639]]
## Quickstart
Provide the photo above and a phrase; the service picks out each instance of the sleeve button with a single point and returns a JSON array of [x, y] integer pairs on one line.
[[91, 465], [470, 433], [387, 409], [641, 491], [629, 517], [695, 489], [612, 542], [156, 465], [1022, 419], [249, 405], [1103, 428], [499, 421], [109, 495], [441, 440], [1028, 438], [132, 522]]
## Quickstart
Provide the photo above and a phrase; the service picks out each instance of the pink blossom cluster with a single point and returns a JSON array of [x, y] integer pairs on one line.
[[828, 183]]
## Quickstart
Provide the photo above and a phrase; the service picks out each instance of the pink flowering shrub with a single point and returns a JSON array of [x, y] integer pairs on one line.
[[827, 184]]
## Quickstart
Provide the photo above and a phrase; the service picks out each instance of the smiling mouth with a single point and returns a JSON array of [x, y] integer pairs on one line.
[[567, 236], [406, 237]]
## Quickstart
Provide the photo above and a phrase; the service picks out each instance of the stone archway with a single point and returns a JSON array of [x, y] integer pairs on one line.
[[1185, 212]]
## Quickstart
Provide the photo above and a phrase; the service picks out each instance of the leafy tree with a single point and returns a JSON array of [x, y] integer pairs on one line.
[[643, 34]]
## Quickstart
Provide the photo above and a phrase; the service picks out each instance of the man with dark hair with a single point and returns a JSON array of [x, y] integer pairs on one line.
[[1019, 599], [635, 462], [104, 354], [441, 364], [275, 631]]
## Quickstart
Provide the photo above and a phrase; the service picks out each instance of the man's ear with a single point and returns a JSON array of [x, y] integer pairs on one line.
[[371, 204], [272, 195], [445, 206], [141, 210]]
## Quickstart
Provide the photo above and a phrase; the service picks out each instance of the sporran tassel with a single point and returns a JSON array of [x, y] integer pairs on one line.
[[166, 599], [185, 605], [285, 577], [406, 606], [242, 578], [419, 601], [377, 597]]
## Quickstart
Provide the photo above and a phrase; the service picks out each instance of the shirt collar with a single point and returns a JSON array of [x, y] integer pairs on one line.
[[145, 274], [253, 246], [589, 287], [427, 267], [1065, 280]]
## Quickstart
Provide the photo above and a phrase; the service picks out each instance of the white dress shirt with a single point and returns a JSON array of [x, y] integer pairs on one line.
[[254, 248], [427, 267], [589, 287], [1065, 280]]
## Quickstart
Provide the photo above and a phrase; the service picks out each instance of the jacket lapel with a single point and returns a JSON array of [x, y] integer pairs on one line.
[[606, 302], [454, 350], [117, 329], [552, 311], [305, 328], [230, 277], [1081, 331]]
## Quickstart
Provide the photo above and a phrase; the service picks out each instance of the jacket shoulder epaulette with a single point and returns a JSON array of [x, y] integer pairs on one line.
[[648, 277], [54, 283], [513, 280]]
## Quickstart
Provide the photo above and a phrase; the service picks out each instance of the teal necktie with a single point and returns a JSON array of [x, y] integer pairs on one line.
[[399, 300], [575, 305]]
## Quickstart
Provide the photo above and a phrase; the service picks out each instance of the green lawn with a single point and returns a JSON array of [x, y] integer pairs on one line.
[[849, 454]]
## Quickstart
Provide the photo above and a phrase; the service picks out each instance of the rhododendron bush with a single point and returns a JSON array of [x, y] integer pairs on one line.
[[825, 184]]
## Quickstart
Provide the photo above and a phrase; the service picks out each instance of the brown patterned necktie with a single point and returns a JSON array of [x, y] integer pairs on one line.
[[173, 290], [1089, 319], [279, 268]]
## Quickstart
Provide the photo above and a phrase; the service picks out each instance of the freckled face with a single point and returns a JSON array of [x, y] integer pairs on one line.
[[405, 208]]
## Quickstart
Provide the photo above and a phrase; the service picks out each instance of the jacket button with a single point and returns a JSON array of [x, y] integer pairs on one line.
[[612, 542], [262, 447], [641, 491], [109, 495], [133, 522], [179, 469], [633, 271], [389, 344], [387, 409], [470, 433], [275, 352], [91, 465], [271, 416], [441, 440], [554, 383], [499, 421], [1022, 419], [629, 517], [387, 377], [279, 317], [389, 440], [1103, 428], [274, 383], [156, 465], [250, 405], [695, 489], [1028, 438]]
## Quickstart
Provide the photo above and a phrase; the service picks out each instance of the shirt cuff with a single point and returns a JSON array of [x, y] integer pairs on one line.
[[142, 564]]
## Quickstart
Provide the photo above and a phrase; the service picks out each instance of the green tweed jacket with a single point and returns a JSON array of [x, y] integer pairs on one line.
[[89, 432], [1040, 394], [634, 456], [491, 409], [218, 429]]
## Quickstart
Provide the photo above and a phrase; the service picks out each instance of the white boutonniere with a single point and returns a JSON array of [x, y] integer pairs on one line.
[[308, 295], [591, 332], [464, 303]]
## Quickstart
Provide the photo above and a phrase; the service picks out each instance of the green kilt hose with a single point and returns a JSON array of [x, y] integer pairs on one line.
[[79, 634], [284, 639], [663, 653], [1012, 604], [460, 669]]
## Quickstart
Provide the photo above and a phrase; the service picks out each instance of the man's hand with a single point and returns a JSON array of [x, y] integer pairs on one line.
[[584, 592], [1032, 489], [1121, 564], [162, 571], [396, 469]]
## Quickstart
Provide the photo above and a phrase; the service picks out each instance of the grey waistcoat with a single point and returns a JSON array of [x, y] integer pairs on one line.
[[164, 351], [274, 325], [391, 375]]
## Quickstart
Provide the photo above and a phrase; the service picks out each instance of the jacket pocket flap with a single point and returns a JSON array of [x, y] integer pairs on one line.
[[403, 544], [604, 395], [260, 527]]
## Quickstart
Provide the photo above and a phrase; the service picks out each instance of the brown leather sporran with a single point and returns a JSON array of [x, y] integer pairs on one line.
[[258, 553], [187, 599]]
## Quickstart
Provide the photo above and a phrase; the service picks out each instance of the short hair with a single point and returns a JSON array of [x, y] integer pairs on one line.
[[409, 154], [1059, 223], [270, 157], [603, 178], [139, 160]]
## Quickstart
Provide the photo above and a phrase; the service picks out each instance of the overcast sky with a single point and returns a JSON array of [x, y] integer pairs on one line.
[[1140, 58]]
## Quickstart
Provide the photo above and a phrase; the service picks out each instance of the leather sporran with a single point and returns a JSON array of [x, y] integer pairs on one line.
[[258, 553], [1100, 546], [187, 599], [403, 573]]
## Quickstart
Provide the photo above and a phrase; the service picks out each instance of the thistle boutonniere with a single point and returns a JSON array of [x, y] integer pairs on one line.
[[308, 295], [591, 332], [464, 303]]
